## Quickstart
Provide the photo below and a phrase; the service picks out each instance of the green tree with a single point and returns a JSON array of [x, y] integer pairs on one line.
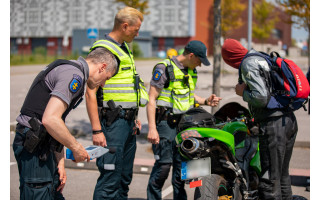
[[264, 20], [141, 5], [136, 50], [299, 10], [231, 11]]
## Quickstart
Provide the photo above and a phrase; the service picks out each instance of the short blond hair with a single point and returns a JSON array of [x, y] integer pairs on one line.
[[129, 15]]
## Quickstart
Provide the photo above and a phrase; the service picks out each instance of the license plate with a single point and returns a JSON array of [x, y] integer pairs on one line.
[[195, 168]]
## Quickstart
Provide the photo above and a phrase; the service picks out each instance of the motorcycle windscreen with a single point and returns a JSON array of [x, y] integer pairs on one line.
[[231, 111]]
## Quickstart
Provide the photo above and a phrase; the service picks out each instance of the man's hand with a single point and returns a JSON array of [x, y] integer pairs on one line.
[[62, 176], [153, 136], [240, 88], [138, 123], [213, 100], [80, 154], [99, 139]]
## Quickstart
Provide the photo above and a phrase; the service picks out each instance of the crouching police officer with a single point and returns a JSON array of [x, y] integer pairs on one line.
[[172, 92], [41, 132]]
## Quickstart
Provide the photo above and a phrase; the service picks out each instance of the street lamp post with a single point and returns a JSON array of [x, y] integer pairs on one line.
[[249, 24]]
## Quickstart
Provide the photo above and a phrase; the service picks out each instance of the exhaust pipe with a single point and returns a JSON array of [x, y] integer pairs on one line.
[[192, 145]]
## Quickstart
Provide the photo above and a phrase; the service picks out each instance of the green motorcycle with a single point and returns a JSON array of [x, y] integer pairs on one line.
[[221, 153]]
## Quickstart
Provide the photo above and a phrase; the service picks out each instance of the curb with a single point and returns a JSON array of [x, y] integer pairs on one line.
[[302, 144], [140, 166]]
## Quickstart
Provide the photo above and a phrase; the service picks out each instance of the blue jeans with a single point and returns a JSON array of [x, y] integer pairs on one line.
[[38, 179], [166, 155], [116, 168]]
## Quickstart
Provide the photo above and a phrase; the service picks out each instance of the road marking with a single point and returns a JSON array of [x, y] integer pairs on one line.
[[13, 163], [144, 169], [167, 191]]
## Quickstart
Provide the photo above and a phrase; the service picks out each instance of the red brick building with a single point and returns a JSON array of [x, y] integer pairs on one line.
[[204, 26]]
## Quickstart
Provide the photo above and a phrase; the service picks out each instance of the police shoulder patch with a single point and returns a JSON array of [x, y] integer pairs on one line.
[[75, 83], [157, 74]]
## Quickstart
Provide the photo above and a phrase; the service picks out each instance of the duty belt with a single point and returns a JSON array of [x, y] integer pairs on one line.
[[127, 114], [166, 114]]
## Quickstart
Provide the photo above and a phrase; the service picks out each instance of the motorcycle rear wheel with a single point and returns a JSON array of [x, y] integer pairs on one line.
[[214, 187]]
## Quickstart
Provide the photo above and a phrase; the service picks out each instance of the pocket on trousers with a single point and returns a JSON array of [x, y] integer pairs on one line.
[[30, 192], [35, 170], [163, 151], [108, 161]]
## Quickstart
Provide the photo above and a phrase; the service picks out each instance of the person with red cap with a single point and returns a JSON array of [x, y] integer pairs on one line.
[[277, 127]]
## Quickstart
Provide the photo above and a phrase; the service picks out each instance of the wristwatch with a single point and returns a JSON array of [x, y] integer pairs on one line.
[[96, 131], [206, 102]]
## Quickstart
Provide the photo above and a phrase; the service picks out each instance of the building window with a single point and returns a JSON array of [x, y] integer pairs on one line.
[[76, 3], [33, 4], [169, 15], [277, 34], [76, 15], [33, 16], [168, 2]]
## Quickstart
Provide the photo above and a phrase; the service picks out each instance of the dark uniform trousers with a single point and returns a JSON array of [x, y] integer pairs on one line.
[[39, 180], [277, 137], [166, 155], [116, 168]]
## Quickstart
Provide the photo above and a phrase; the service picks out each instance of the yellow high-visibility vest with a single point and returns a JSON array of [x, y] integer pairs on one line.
[[121, 87], [179, 95]]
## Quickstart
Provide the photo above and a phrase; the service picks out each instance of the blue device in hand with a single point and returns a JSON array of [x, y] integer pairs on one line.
[[93, 151]]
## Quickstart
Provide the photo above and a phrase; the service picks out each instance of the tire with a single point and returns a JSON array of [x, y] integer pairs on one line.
[[212, 187]]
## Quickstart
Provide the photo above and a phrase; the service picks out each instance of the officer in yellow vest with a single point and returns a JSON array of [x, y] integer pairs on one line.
[[172, 94], [121, 97]]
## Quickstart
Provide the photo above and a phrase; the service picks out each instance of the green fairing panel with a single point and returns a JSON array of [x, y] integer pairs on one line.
[[255, 162], [220, 135], [241, 144], [235, 126]]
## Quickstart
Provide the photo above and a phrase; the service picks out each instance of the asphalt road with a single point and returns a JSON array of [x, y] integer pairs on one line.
[[80, 183]]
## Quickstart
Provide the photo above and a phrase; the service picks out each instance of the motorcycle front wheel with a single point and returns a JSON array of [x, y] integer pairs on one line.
[[214, 187]]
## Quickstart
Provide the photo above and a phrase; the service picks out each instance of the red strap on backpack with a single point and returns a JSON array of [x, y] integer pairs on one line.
[[302, 84]]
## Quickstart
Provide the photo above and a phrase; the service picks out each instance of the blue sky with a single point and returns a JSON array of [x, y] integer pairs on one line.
[[299, 34]]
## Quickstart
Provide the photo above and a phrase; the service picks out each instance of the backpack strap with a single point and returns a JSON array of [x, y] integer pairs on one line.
[[274, 57]]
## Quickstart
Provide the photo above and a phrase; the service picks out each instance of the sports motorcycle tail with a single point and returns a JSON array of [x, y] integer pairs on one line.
[[221, 153]]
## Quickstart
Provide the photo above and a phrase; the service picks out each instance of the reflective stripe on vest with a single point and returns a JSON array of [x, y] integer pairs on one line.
[[178, 95], [120, 88]]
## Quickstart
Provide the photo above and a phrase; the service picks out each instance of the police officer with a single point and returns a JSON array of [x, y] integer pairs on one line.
[[121, 97], [172, 92], [41, 131]]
